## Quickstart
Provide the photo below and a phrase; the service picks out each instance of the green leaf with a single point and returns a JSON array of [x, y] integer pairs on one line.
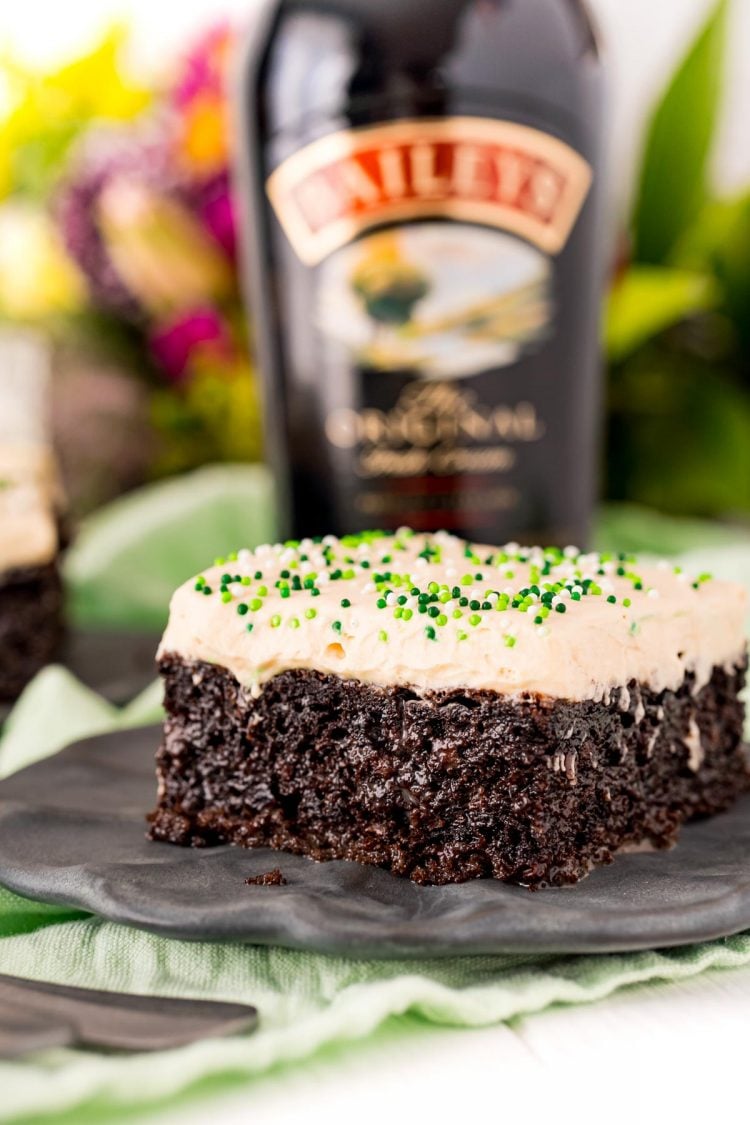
[[673, 173], [648, 300], [679, 435], [719, 242]]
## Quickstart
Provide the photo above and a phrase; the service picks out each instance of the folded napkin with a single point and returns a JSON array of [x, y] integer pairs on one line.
[[305, 1000]]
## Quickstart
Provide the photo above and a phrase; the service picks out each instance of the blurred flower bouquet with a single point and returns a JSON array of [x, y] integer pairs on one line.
[[117, 236]]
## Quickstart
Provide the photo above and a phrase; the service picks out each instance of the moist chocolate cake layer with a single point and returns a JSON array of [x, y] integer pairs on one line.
[[442, 786], [30, 624]]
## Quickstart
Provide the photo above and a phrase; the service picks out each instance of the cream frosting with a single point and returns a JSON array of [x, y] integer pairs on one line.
[[582, 625], [28, 494]]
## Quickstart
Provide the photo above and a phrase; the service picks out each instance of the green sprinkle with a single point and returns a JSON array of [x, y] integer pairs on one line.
[[242, 609], [226, 596], [294, 622], [475, 619], [262, 591], [430, 633], [275, 621], [285, 591], [407, 614], [336, 626], [382, 635], [441, 619], [206, 589], [626, 602], [461, 635], [467, 580], [509, 640], [225, 578], [246, 580], [219, 561], [457, 614], [345, 603], [258, 575], [560, 608], [249, 627], [311, 613], [612, 599]]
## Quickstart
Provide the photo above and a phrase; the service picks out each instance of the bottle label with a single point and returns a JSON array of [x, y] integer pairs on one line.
[[471, 169], [434, 246]]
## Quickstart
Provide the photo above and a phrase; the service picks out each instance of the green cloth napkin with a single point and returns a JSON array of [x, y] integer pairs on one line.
[[121, 573]]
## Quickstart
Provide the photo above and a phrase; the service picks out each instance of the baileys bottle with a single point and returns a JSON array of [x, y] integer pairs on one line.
[[419, 183]]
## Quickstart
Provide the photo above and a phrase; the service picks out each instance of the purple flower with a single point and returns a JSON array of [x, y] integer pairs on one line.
[[106, 156]]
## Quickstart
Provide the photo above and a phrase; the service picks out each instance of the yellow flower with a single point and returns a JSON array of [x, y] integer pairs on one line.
[[204, 134], [41, 113], [162, 254], [37, 279]]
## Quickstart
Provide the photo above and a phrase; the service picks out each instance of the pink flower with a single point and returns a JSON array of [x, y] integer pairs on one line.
[[213, 204], [175, 344], [204, 66]]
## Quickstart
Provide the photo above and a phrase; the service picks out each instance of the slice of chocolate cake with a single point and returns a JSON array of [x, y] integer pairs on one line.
[[448, 711], [30, 514], [30, 585]]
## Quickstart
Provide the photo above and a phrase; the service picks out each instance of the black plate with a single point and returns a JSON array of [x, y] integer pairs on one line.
[[72, 831]]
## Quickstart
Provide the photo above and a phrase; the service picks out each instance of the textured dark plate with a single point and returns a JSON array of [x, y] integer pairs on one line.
[[72, 831]]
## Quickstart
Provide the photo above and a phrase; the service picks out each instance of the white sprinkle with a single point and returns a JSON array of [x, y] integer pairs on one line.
[[653, 593]]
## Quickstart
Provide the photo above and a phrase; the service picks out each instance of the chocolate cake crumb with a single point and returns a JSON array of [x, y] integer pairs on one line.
[[446, 785], [272, 878]]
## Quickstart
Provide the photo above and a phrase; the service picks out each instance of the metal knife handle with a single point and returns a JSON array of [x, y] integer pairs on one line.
[[111, 1020]]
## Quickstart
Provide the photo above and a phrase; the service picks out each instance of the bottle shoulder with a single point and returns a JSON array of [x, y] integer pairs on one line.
[[325, 58]]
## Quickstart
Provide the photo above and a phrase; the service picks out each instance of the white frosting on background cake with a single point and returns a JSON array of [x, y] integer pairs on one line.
[[661, 624], [29, 493]]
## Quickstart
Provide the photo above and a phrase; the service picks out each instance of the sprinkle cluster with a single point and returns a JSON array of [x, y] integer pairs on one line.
[[397, 568]]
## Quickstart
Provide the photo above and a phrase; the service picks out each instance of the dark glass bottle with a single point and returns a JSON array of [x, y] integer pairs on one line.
[[419, 182]]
